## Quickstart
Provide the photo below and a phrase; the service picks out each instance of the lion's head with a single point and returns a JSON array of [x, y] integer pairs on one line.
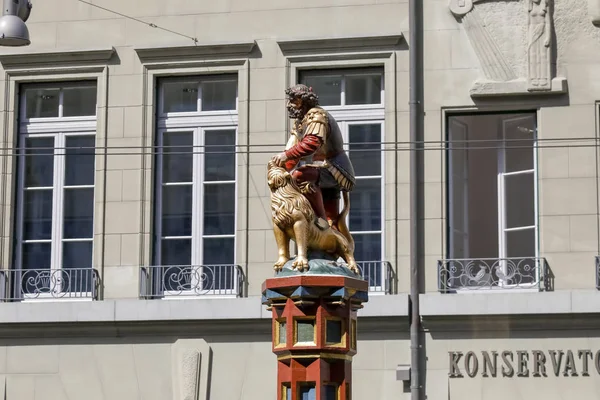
[[277, 176]]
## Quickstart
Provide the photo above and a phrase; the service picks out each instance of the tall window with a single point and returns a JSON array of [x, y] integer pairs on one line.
[[355, 98], [55, 197], [492, 193], [195, 185]]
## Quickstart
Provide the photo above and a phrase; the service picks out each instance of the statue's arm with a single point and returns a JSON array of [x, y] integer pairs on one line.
[[307, 146], [314, 135]]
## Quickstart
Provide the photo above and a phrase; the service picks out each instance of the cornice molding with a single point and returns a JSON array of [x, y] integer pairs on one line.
[[362, 43], [54, 57], [225, 49], [565, 309]]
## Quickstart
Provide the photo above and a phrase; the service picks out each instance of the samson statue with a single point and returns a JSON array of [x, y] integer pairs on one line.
[[306, 181]]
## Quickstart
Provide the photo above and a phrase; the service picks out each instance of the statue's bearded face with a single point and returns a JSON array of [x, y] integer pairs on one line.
[[295, 108]]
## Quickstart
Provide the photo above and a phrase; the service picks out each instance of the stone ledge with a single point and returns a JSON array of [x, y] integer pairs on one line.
[[134, 310], [517, 87], [565, 302], [159, 53], [340, 43], [52, 57]]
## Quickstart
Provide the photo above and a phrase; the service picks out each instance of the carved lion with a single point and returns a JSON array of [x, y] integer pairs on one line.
[[293, 218]]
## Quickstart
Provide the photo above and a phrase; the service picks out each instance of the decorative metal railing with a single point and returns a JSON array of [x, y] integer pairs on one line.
[[494, 273], [380, 275], [191, 280], [65, 283]]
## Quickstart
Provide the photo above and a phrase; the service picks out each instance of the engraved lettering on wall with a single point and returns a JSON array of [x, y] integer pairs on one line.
[[523, 363]]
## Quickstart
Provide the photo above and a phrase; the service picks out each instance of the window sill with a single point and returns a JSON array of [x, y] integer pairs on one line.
[[509, 303], [134, 310]]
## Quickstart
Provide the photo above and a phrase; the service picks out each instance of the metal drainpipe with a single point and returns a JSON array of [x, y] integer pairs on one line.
[[415, 45]]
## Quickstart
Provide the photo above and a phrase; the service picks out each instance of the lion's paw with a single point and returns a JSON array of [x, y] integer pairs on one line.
[[354, 268], [278, 266], [301, 264]]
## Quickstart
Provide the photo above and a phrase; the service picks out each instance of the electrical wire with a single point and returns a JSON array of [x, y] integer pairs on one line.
[[358, 146], [156, 150], [150, 24]]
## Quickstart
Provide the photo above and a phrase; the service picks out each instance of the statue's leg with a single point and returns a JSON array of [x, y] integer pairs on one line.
[[283, 247], [301, 233], [331, 201], [307, 178]]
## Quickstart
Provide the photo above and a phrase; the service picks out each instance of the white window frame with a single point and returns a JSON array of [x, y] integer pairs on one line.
[[503, 230], [501, 211], [361, 114], [197, 123], [59, 128]]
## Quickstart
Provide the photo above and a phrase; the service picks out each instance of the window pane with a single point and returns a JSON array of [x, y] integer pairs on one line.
[[333, 331], [363, 138], [520, 243], [365, 213], [79, 162], [39, 162], [363, 89], [177, 156], [77, 274], [217, 96], [177, 210], [36, 256], [308, 392], [218, 251], [176, 252], [519, 134], [328, 88], [180, 97], [219, 162], [37, 215], [79, 101], [282, 329], [458, 188], [520, 200], [77, 254], [41, 103], [367, 247], [305, 330], [78, 213], [330, 392], [219, 209]]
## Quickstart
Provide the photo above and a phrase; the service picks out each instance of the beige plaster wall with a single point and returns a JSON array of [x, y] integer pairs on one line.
[[154, 368], [441, 386], [126, 203], [568, 175]]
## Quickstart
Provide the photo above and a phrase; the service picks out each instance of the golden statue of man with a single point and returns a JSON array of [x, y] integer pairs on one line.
[[315, 155]]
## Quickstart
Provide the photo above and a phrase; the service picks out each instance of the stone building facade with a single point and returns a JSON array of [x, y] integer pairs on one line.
[[135, 214]]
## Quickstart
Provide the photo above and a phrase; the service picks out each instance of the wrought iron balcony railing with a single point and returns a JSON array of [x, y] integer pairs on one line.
[[456, 275], [380, 275], [191, 280], [65, 283]]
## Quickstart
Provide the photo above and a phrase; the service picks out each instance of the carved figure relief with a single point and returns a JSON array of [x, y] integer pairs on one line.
[[500, 76], [594, 11], [539, 40], [190, 360]]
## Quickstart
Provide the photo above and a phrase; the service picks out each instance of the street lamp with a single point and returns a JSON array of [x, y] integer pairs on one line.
[[13, 31]]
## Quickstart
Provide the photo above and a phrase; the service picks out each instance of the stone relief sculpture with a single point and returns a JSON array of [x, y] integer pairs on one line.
[[190, 369], [305, 182], [539, 40], [500, 76], [594, 11]]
